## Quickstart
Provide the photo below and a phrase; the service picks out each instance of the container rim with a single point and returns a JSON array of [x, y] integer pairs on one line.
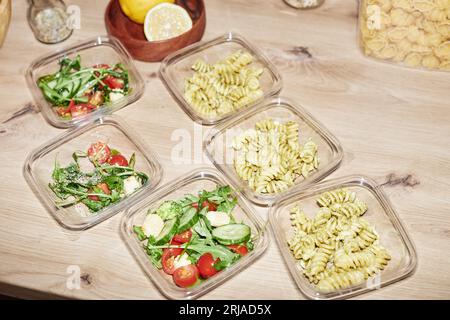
[[298, 110], [96, 41], [353, 180], [155, 174], [135, 247], [230, 36]]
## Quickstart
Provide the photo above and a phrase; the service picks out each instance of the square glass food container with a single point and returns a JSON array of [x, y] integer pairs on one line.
[[203, 178], [218, 145], [111, 130], [98, 50], [176, 67], [380, 215]]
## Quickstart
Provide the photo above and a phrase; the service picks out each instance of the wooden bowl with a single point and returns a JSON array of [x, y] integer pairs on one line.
[[131, 34]]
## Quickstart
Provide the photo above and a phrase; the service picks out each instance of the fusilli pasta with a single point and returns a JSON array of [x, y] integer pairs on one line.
[[337, 248], [220, 88], [270, 158]]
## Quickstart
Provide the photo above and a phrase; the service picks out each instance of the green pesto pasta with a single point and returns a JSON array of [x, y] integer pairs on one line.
[[337, 248], [270, 157], [227, 85]]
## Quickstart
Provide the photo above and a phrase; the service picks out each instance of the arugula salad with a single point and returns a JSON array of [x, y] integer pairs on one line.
[[113, 177], [195, 237], [75, 91]]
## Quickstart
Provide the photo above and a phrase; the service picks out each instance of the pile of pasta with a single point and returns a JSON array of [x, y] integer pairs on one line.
[[337, 248], [220, 88], [270, 157], [416, 32]]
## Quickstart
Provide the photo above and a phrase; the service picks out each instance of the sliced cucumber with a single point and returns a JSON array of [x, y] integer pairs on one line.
[[188, 219], [168, 231], [232, 233]]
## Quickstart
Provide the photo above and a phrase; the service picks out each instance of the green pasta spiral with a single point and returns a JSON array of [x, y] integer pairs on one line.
[[270, 157], [337, 248], [225, 86]]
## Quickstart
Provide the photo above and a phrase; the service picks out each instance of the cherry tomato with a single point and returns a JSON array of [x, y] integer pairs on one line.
[[211, 206], [205, 265], [99, 152], [63, 111], [185, 276], [81, 109], [183, 237], [119, 160], [168, 258], [113, 83], [175, 243], [239, 248], [105, 189]]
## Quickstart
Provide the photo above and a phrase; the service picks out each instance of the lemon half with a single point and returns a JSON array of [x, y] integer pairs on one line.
[[166, 21], [137, 9]]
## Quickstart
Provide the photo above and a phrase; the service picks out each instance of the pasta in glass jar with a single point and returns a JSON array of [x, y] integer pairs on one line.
[[415, 33]]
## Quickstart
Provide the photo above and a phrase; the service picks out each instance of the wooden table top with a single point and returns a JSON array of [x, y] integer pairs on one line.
[[393, 123]]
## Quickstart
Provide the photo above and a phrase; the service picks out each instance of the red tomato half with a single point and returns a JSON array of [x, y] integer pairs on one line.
[[105, 189], [63, 111], [211, 206], [206, 265], [239, 248], [79, 110], [119, 160], [168, 258], [183, 237], [175, 243], [113, 83], [185, 276], [99, 152]]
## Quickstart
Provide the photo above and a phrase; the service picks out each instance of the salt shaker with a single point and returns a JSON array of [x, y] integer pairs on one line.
[[49, 20]]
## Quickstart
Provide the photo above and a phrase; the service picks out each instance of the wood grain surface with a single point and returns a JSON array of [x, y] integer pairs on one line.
[[393, 123]]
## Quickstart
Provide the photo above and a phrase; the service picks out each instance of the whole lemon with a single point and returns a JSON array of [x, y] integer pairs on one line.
[[137, 9]]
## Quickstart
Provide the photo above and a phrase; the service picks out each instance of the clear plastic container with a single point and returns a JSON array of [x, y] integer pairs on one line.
[[177, 67], [218, 145], [203, 178], [110, 129], [413, 33], [98, 50], [380, 215]]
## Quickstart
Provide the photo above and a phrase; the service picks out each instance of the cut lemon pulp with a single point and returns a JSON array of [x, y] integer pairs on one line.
[[166, 21]]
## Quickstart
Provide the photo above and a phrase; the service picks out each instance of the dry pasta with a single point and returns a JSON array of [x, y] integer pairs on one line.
[[220, 88], [270, 158], [337, 248], [415, 32]]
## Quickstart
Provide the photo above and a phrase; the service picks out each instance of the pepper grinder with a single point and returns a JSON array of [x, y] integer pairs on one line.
[[49, 20]]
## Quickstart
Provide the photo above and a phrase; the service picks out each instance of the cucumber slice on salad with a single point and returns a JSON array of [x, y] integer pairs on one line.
[[232, 233], [168, 231], [188, 219]]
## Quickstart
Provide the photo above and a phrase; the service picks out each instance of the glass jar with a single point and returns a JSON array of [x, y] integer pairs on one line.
[[415, 33], [49, 20], [304, 4], [5, 17]]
